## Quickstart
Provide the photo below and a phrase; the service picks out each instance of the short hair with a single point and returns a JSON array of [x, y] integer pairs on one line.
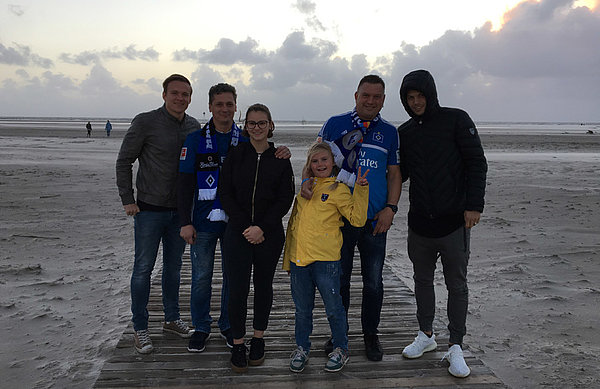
[[371, 79], [258, 107], [175, 77], [221, 88]]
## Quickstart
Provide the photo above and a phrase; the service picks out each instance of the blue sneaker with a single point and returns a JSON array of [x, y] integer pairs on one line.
[[337, 359], [298, 360]]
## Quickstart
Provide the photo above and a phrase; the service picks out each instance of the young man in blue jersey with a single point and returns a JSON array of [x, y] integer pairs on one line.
[[203, 221], [154, 139], [378, 152]]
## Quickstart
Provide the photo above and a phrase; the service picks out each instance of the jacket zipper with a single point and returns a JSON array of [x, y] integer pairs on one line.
[[255, 180]]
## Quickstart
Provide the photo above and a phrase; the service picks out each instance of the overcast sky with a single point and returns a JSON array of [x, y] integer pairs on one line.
[[498, 60]]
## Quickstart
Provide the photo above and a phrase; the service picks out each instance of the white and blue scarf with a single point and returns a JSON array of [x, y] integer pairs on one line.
[[208, 163], [346, 149]]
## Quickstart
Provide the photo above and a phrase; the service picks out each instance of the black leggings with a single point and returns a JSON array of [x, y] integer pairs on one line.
[[240, 257]]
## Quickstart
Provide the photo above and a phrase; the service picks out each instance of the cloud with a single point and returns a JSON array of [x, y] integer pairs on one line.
[[21, 55], [152, 84], [22, 73], [131, 53], [543, 64], [16, 9], [84, 58], [56, 94], [309, 9], [226, 52], [92, 57], [305, 6]]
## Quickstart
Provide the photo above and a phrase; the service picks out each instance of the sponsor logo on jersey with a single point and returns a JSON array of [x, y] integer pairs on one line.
[[366, 162]]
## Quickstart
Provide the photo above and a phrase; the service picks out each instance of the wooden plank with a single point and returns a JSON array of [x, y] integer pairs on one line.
[[170, 365]]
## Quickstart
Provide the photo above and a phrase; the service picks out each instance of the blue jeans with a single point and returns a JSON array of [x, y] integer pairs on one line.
[[372, 255], [325, 276], [150, 229], [203, 260]]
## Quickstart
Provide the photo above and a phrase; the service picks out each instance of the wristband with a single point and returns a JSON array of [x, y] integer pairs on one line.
[[304, 180], [393, 207]]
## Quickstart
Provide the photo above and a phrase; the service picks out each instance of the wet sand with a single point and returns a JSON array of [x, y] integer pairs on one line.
[[67, 253]]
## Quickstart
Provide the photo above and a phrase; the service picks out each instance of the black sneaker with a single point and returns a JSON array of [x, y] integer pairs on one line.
[[257, 352], [328, 346], [198, 342], [239, 360], [228, 337], [373, 347]]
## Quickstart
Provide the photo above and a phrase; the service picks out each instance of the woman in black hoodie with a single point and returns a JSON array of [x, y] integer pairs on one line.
[[256, 191]]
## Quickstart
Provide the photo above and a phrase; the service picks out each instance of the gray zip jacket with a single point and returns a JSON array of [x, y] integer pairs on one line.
[[154, 139]]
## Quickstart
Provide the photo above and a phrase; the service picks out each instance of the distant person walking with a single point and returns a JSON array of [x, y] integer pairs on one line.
[[108, 128], [154, 139], [88, 126], [441, 155]]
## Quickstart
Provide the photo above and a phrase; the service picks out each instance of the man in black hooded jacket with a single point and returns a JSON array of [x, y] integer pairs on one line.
[[441, 154]]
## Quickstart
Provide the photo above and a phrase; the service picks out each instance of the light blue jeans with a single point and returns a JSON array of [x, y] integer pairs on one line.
[[151, 228], [203, 260], [325, 276]]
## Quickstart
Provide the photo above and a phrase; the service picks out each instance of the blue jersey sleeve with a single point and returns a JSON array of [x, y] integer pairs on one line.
[[187, 158], [394, 150]]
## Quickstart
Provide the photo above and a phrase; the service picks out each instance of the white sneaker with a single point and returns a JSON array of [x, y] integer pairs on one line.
[[421, 344], [458, 366]]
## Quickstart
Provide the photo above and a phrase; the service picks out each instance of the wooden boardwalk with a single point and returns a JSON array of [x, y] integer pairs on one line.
[[171, 365]]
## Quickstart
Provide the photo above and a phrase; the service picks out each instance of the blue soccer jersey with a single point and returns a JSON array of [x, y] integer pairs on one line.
[[379, 149]]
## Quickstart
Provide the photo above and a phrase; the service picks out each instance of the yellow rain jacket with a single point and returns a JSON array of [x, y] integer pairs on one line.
[[313, 231]]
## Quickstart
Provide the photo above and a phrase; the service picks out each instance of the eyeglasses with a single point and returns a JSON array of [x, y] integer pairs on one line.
[[261, 124]]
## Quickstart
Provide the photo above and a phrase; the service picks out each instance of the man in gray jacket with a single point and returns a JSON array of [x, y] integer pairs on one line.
[[155, 139]]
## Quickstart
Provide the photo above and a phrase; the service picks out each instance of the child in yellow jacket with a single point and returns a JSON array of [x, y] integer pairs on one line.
[[312, 252]]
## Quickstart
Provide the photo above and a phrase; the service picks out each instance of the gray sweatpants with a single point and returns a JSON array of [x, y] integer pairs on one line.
[[453, 249]]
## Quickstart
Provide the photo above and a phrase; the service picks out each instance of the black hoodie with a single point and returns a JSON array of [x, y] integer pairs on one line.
[[441, 154]]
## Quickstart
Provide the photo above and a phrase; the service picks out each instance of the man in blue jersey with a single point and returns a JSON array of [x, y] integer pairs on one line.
[[378, 152], [202, 219]]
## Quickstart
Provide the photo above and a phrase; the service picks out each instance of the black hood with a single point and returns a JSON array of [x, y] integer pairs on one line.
[[422, 81]]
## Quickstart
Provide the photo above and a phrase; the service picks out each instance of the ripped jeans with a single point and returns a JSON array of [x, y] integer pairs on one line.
[[325, 276]]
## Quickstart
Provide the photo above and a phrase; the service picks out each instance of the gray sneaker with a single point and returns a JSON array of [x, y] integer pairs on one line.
[[337, 360], [142, 342], [298, 360], [458, 366], [178, 327], [420, 345]]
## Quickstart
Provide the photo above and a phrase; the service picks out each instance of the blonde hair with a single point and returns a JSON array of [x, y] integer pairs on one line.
[[315, 148]]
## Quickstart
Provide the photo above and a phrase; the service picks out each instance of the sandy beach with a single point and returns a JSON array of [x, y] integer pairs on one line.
[[67, 253]]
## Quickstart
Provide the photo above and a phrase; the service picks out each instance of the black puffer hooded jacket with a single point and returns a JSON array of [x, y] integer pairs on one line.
[[441, 154]]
